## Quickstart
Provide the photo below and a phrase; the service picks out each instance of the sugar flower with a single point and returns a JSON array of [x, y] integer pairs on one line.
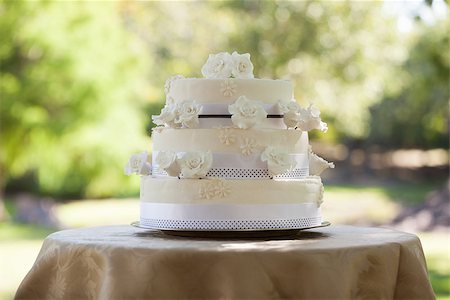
[[291, 111], [218, 66], [278, 161], [195, 164], [167, 160], [167, 117], [214, 188], [248, 146], [242, 66], [187, 113], [247, 113], [138, 164], [310, 119], [317, 164]]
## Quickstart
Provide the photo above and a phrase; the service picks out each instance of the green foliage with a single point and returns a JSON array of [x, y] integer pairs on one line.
[[341, 55], [418, 115], [69, 116], [75, 101]]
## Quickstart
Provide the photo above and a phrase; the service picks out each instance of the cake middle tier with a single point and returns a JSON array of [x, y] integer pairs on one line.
[[230, 140], [235, 153]]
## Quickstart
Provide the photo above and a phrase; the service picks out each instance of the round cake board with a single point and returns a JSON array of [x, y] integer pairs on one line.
[[253, 233]]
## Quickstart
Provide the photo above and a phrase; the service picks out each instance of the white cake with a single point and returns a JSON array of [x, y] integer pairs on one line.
[[230, 152]]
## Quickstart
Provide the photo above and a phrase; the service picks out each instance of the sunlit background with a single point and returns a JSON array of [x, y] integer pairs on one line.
[[79, 81]]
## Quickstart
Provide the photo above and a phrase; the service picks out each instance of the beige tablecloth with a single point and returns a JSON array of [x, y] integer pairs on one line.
[[123, 262]]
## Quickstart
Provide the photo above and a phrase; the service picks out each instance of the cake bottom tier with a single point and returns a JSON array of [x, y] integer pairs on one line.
[[216, 204]]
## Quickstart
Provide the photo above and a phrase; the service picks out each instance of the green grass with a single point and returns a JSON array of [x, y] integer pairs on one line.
[[343, 205], [436, 247], [98, 212], [18, 232], [402, 193]]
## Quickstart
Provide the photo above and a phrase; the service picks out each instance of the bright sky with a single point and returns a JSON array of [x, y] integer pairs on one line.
[[408, 10]]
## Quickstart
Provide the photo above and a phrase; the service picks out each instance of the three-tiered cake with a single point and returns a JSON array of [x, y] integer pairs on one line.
[[230, 152]]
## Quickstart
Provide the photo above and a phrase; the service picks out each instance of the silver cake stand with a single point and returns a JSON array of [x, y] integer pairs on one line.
[[250, 233]]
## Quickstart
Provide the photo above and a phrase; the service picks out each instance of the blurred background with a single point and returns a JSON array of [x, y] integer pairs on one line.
[[80, 80]]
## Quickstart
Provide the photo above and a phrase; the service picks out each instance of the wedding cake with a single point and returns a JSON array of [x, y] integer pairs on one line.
[[230, 152]]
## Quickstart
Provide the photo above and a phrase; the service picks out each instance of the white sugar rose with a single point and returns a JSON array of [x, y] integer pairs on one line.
[[195, 164], [218, 66], [138, 164], [187, 113], [310, 119], [242, 66], [167, 160], [290, 106], [247, 113], [167, 117], [291, 111], [317, 164], [291, 119], [278, 161]]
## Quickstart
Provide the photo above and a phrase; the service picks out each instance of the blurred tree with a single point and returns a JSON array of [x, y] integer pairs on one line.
[[72, 75], [71, 112], [342, 55], [417, 116]]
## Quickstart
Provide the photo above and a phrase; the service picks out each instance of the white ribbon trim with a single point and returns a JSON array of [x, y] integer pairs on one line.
[[228, 212]]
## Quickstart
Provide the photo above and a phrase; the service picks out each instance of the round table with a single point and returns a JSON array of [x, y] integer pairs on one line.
[[123, 262]]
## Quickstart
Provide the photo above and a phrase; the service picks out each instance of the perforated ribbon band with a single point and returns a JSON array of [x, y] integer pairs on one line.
[[226, 216], [236, 166]]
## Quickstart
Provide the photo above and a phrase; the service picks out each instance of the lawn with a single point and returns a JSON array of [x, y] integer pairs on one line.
[[360, 205]]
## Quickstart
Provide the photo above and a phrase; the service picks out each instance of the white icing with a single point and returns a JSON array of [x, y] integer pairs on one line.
[[168, 85], [211, 90], [191, 140], [265, 191]]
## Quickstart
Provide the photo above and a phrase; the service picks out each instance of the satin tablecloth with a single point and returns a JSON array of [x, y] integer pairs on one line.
[[123, 262]]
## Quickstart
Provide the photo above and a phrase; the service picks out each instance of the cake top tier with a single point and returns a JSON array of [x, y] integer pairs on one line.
[[226, 91], [227, 77], [230, 96]]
